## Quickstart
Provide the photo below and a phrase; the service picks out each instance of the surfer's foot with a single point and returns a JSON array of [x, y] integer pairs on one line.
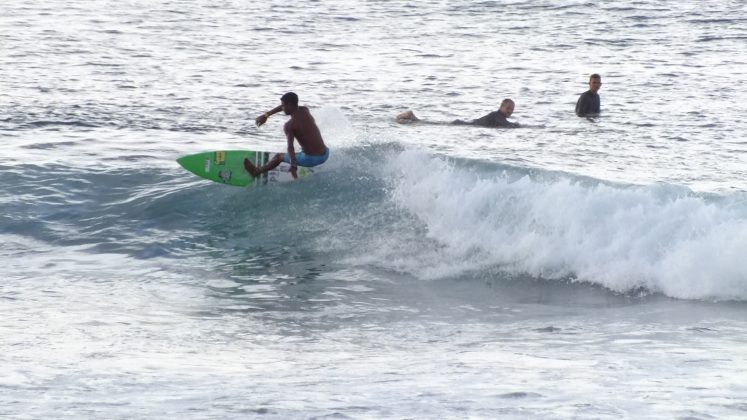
[[253, 170], [406, 117]]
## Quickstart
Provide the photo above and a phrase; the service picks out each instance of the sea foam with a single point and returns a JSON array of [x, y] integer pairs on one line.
[[661, 238]]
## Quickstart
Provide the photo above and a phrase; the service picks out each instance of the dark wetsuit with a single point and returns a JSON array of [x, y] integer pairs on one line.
[[494, 119], [588, 104]]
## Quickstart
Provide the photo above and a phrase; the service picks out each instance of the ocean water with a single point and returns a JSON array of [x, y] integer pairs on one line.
[[571, 268]]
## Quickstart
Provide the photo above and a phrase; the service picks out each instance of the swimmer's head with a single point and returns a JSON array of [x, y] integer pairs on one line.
[[507, 107]]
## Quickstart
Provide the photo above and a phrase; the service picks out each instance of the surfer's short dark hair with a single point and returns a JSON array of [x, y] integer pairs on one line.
[[594, 76], [289, 98]]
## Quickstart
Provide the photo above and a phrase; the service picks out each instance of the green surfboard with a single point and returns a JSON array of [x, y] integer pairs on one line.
[[227, 167]]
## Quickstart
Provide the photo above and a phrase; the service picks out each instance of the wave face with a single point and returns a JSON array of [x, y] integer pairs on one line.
[[389, 208]]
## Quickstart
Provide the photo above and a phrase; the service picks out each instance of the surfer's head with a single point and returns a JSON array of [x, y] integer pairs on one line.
[[595, 82], [507, 107], [290, 102]]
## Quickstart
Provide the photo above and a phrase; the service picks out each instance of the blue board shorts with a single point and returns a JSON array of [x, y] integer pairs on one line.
[[302, 159]]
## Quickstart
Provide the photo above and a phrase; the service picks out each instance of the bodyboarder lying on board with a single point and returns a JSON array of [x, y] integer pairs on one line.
[[494, 119], [301, 127]]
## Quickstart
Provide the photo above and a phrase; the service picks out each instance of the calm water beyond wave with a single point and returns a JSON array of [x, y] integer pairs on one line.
[[570, 268]]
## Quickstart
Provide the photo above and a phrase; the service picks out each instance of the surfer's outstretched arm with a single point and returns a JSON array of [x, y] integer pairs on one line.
[[263, 118]]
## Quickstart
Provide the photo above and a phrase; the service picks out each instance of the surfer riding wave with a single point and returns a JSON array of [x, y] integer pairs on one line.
[[300, 127]]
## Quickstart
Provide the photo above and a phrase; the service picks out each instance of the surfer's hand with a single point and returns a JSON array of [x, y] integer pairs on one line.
[[294, 171], [261, 120]]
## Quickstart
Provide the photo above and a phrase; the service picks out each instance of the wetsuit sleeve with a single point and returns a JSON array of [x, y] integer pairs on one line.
[[582, 105]]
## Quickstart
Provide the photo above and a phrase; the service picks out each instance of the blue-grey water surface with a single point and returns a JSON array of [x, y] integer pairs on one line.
[[571, 268]]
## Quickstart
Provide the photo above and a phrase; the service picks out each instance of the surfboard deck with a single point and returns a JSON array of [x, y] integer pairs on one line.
[[227, 167]]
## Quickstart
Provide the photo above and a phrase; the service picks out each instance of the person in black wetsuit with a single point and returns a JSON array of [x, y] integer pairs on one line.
[[494, 119], [588, 104]]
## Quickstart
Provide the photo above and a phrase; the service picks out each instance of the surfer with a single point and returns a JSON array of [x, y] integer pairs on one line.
[[301, 127], [588, 104], [494, 119]]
